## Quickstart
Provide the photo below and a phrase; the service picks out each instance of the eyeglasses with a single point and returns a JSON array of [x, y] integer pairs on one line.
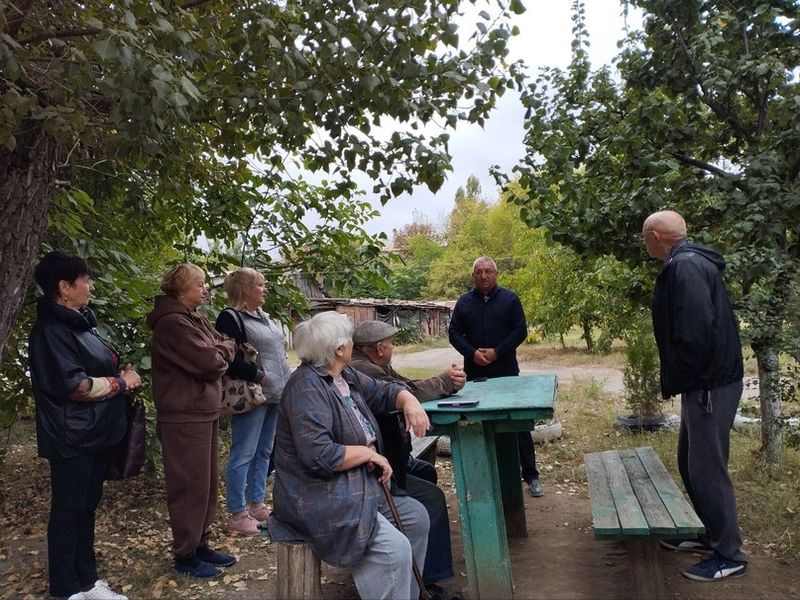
[[484, 272]]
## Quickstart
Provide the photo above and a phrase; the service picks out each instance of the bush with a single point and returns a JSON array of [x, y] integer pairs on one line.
[[408, 333], [641, 374]]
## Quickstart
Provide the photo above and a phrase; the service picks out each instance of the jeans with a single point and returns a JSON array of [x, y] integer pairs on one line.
[[252, 438], [76, 486], [386, 571]]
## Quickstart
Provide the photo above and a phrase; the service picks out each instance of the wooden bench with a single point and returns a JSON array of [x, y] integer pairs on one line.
[[634, 499], [424, 448], [299, 568]]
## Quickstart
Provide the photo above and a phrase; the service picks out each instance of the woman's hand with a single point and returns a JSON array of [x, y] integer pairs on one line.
[[378, 461], [416, 418], [130, 377], [355, 456]]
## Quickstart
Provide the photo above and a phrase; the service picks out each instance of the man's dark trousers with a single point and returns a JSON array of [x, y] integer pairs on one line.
[[703, 448], [439, 558]]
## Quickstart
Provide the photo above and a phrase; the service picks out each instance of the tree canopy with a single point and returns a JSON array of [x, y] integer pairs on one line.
[[207, 114], [700, 117]]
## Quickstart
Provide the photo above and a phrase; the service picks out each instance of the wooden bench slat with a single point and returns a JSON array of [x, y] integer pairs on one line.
[[686, 521], [604, 512], [631, 517], [658, 518]]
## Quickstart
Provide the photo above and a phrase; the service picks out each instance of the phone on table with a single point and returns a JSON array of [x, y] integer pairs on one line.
[[458, 403]]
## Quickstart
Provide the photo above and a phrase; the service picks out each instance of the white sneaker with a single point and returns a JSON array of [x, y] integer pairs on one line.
[[77, 596], [101, 591]]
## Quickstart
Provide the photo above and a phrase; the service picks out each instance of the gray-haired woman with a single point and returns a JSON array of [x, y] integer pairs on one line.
[[329, 470]]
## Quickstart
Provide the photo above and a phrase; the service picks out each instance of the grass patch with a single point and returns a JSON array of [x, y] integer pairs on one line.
[[426, 344], [768, 496]]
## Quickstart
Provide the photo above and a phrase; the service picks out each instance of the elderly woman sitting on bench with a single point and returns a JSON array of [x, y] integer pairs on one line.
[[330, 471]]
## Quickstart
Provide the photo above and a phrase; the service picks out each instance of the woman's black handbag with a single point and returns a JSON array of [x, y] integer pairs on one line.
[[127, 456]]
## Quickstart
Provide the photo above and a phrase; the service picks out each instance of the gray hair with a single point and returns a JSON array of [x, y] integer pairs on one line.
[[483, 259], [317, 338]]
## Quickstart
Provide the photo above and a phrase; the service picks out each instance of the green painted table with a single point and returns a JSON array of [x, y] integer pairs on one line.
[[483, 441]]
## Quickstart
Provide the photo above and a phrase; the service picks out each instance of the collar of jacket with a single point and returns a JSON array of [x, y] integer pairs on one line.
[[486, 297], [82, 319]]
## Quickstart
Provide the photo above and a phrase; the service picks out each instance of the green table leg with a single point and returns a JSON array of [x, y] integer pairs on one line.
[[510, 483], [482, 523]]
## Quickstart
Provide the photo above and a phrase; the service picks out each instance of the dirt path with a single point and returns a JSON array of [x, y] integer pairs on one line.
[[441, 358]]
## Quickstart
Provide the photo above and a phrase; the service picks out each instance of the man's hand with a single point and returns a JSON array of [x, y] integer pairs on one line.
[[416, 418], [488, 354], [457, 376], [480, 358]]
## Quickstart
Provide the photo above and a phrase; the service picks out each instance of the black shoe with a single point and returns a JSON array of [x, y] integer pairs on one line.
[[212, 557], [535, 488], [194, 567], [437, 592], [686, 545]]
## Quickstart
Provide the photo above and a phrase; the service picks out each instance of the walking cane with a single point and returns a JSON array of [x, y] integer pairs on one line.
[[423, 593]]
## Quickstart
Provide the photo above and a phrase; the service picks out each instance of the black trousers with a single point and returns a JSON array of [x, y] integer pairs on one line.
[[527, 456], [76, 486]]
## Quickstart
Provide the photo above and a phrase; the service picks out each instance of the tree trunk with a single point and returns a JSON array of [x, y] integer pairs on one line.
[[27, 184], [587, 334], [770, 397]]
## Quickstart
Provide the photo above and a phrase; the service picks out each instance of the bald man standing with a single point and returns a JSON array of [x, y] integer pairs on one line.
[[701, 359]]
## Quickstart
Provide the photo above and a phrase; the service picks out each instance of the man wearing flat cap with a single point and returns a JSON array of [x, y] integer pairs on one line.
[[372, 355]]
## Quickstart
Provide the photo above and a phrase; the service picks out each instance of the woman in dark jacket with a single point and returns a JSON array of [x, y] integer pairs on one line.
[[188, 359], [80, 412]]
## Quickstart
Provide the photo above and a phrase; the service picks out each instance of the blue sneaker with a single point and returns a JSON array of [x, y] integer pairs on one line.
[[716, 568]]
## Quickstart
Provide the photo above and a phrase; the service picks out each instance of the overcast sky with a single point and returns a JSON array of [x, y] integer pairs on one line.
[[544, 40]]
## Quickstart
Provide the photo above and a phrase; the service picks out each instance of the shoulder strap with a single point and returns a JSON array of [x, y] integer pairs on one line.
[[239, 320]]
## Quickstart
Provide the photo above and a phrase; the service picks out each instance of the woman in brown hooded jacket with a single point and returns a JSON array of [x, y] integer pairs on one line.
[[188, 359]]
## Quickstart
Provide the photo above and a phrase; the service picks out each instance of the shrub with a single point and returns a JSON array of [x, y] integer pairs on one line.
[[641, 374]]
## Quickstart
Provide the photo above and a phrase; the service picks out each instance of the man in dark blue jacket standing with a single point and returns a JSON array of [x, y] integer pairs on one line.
[[701, 359], [486, 327]]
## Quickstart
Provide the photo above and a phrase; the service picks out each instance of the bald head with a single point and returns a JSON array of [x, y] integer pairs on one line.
[[661, 231], [666, 222]]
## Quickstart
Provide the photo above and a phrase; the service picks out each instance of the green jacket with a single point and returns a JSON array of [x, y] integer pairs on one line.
[[432, 388]]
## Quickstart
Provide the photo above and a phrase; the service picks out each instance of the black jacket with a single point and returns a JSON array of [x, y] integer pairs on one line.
[[695, 328], [64, 349], [494, 321]]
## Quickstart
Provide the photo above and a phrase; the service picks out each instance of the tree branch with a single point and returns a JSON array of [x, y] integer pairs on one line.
[[194, 4], [15, 15], [699, 164], [59, 33]]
